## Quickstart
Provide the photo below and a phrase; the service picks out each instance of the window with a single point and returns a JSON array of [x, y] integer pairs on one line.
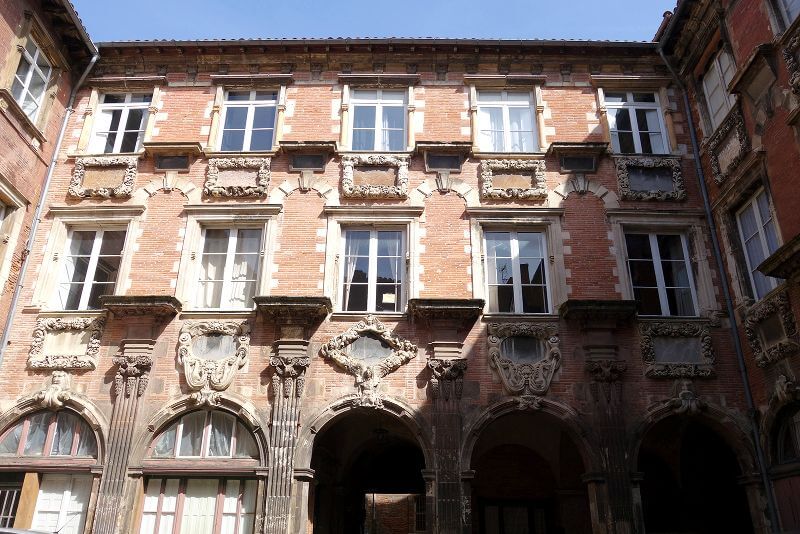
[[249, 120], [789, 10], [635, 123], [9, 500], [120, 123], [207, 434], [505, 122], [379, 120], [90, 268], [517, 272], [759, 240], [660, 274], [30, 80], [715, 86], [50, 434], [229, 267], [199, 506], [374, 270], [62, 503]]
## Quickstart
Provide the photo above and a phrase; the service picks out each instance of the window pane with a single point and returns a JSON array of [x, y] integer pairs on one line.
[[532, 271], [522, 349], [675, 273], [362, 94], [192, 434], [364, 117], [37, 434], [357, 243], [235, 118], [612, 98], [623, 143], [530, 245], [97, 291], [644, 97], [130, 142], [501, 299], [87, 444], [500, 271], [65, 431], [264, 117], [489, 96], [619, 119], [389, 270], [221, 434], [261, 140], [389, 243], [165, 444], [647, 301], [393, 117], [199, 506], [670, 247], [245, 443], [113, 241], [498, 244], [638, 246], [113, 99], [10, 442], [643, 273], [37, 86], [680, 301], [387, 297], [135, 119], [534, 299], [238, 96], [232, 141], [393, 140], [363, 139], [355, 297]]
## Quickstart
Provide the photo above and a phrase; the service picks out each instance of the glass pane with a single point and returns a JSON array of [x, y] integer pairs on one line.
[[69, 296], [141, 98], [680, 301], [643, 273], [10, 442], [81, 243], [245, 267], [501, 299], [670, 247], [500, 271], [624, 143], [364, 116], [393, 140], [37, 86], [387, 297], [130, 141], [675, 273], [498, 244], [261, 140], [75, 269], [638, 246], [489, 96], [219, 443], [135, 119], [210, 295], [264, 117], [235, 118], [534, 299], [192, 434], [389, 243], [357, 243], [532, 272], [87, 444], [392, 95], [530, 245], [238, 96], [611, 98], [248, 240], [644, 97], [389, 270], [37, 434], [232, 141], [647, 119], [212, 267], [113, 241], [113, 99], [199, 506], [65, 431], [619, 119], [355, 297], [216, 241], [647, 301], [97, 291], [521, 142], [393, 117], [364, 139], [521, 119], [165, 443], [362, 94], [245, 443]]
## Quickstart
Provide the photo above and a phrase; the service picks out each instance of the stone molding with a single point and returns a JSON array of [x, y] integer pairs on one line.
[[207, 378], [606, 370], [158, 306], [291, 370], [461, 312], [368, 377], [686, 400], [734, 123], [626, 193], [133, 363], [535, 166], [784, 262], [124, 189], [351, 161], [655, 369], [57, 393], [789, 53], [447, 377], [525, 379], [213, 187], [778, 304], [37, 359]]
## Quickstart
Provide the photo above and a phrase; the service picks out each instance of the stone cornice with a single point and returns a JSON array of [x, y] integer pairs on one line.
[[136, 305], [305, 311], [784, 262], [585, 311], [464, 312]]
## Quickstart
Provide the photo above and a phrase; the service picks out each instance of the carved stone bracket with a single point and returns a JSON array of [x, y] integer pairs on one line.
[[206, 378], [728, 146], [529, 402], [784, 262], [57, 393], [133, 363], [368, 377], [524, 378], [686, 400], [38, 359], [448, 377], [351, 189], [784, 391], [624, 165], [605, 370], [79, 185], [778, 305], [534, 167], [260, 174], [160, 306], [461, 313], [304, 312], [665, 369]]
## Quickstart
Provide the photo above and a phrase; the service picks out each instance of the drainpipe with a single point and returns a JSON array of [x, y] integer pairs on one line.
[[726, 291], [40, 207]]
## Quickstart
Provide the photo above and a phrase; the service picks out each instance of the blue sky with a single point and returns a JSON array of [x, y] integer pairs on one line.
[[115, 20]]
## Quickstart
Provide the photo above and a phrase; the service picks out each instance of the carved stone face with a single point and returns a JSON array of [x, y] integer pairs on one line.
[[213, 346]]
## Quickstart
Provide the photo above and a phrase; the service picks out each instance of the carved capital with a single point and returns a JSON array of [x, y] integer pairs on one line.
[[291, 370], [447, 377], [133, 363], [534, 167], [606, 370]]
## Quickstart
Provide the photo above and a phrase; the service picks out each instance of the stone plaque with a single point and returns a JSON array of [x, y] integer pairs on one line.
[[238, 177], [513, 181], [728, 152], [381, 176], [102, 177]]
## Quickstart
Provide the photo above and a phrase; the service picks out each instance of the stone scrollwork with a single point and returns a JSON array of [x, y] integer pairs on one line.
[[38, 357], [78, 187], [290, 370], [368, 376], [624, 165], [352, 190], [57, 393], [658, 368], [606, 370], [789, 53], [778, 305], [686, 400], [535, 167], [525, 378], [733, 125], [215, 186], [448, 376], [206, 378]]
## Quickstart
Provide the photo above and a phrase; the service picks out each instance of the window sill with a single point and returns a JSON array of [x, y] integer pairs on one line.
[[498, 316], [509, 155], [240, 154], [71, 313], [384, 316], [14, 108], [350, 152], [216, 313], [74, 155]]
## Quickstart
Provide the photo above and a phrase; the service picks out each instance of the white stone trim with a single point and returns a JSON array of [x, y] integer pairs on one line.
[[10, 226], [127, 178], [37, 359], [399, 162], [534, 166]]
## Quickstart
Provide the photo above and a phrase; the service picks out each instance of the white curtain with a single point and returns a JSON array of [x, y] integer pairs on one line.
[[350, 258], [221, 434], [168, 506], [199, 506], [62, 503], [242, 495], [192, 434]]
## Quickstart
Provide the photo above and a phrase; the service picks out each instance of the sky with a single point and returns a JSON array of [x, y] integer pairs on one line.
[[116, 20]]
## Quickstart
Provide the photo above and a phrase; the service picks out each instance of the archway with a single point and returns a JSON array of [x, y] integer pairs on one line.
[[368, 473], [689, 480], [527, 479]]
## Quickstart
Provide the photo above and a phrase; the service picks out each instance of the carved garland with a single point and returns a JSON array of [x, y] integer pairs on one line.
[[536, 166], [792, 65], [777, 304], [124, 189], [206, 378], [214, 187], [38, 360], [655, 369], [368, 377], [734, 122], [525, 379], [678, 188], [399, 190]]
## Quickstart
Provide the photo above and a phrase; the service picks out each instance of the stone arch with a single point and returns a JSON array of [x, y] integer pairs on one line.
[[582, 186], [192, 193], [323, 189], [467, 193], [772, 417]]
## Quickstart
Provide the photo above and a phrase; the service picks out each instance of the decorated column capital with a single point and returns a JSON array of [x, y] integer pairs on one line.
[[447, 377], [133, 363], [290, 370]]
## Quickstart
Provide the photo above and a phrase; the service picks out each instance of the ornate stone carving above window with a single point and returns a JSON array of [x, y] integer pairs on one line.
[[66, 343], [211, 353], [505, 179], [103, 176], [237, 177], [525, 356], [676, 349], [728, 146], [382, 354], [375, 176], [447, 376], [792, 65], [648, 178], [771, 330], [56, 393]]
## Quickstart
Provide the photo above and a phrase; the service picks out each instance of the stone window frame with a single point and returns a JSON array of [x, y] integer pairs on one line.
[[127, 180], [778, 304], [536, 166], [516, 377], [732, 124], [213, 187], [68, 218], [38, 360], [397, 161], [622, 164], [651, 328], [12, 217], [349, 83]]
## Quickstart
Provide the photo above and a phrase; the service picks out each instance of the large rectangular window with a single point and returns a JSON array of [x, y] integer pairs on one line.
[[62, 503], [634, 119], [120, 123], [719, 74], [660, 273], [374, 270], [506, 122], [517, 271], [249, 121], [229, 267], [759, 239], [90, 268], [30, 80], [379, 120]]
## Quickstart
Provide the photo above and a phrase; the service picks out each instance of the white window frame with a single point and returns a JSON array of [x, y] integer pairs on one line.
[[659, 271], [205, 443], [505, 105], [34, 67], [786, 15], [91, 269], [66, 497], [379, 103], [126, 107], [251, 106], [632, 106], [714, 77], [752, 202]]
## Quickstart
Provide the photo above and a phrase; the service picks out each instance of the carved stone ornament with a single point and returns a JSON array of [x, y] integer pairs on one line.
[[732, 129], [57, 393], [215, 186], [606, 370], [290, 370], [368, 377], [792, 65], [205, 377], [448, 376], [353, 190], [535, 167], [777, 304], [785, 390], [525, 378], [38, 359], [126, 165], [623, 166], [133, 372], [529, 402], [664, 369], [686, 400]]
